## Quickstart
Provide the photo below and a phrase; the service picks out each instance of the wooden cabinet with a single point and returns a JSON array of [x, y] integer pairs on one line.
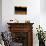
[[22, 33]]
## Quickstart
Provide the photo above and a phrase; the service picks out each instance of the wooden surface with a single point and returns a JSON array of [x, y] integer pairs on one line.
[[23, 27]]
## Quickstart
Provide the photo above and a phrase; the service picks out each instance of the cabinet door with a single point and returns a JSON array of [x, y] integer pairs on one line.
[[20, 37], [24, 38]]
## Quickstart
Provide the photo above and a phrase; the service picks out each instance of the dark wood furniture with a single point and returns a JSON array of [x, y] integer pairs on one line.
[[22, 33]]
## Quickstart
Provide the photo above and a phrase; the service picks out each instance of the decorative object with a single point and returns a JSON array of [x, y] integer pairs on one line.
[[7, 38], [27, 21], [41, 36], [20, 10], [13, 21], [1, 40]]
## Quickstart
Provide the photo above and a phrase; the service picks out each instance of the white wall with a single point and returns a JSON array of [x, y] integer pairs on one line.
[[34, 14], [33, 10], [43, 6], [0, 15], [43, 14]]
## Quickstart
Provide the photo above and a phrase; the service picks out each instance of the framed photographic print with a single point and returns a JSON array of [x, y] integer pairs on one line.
[[20, 10]]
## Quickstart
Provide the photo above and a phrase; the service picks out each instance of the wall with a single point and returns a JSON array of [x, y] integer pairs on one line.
[[43, 6], [0, 15], [43, 14], [33, 10], [34, 14]]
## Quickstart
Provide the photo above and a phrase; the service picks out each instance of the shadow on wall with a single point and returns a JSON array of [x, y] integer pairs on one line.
[[43, 6], [0, 15]]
